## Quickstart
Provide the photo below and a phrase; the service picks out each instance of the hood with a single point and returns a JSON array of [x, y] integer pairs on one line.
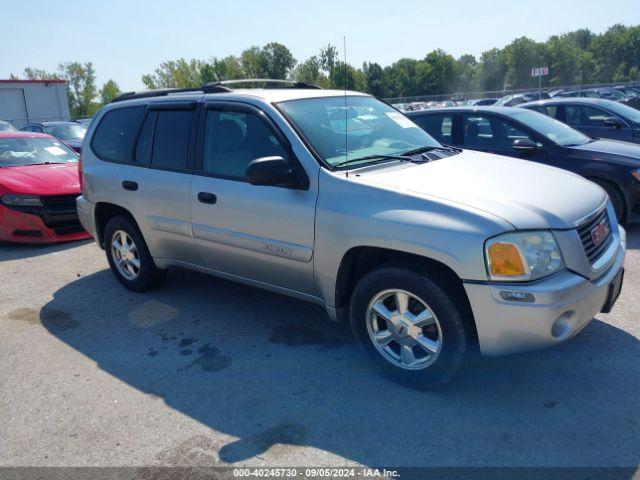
[[53, 179], [624, 153], [524, 193]]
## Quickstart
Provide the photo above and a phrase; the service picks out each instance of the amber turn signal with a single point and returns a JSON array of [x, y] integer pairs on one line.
[[505, 260]]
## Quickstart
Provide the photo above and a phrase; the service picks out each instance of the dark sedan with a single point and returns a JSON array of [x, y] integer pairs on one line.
[[529, 135], [71, 133], [595, 117]]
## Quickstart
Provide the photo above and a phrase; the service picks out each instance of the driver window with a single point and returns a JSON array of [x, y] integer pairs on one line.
[[232, 139]]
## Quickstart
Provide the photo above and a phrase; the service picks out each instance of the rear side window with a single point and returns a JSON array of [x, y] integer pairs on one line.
[[171, 139], [584, 115], [113, 138], [438, 126]]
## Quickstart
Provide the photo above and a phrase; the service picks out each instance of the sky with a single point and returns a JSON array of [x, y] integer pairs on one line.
[[126, 39]]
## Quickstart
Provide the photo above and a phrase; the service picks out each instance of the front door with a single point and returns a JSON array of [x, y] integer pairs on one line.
[[257, 232]]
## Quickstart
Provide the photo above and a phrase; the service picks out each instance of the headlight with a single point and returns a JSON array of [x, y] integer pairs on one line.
[[636, 174], [22, 200], [522, 256]]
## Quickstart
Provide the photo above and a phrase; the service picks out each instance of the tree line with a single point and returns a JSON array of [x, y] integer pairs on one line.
[[574, 58]]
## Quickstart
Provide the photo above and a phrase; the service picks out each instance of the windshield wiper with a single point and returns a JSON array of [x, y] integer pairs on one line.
[[430, 148], [402, 158]]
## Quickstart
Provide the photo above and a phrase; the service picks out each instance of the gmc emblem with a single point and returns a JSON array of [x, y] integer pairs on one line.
[[600, 232]]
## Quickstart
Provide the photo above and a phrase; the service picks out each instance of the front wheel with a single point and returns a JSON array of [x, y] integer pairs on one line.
[[616, 197], [409, 327]]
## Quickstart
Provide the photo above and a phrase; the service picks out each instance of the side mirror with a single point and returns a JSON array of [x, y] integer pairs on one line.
[[271, 172], [612, 122], [525, 145]]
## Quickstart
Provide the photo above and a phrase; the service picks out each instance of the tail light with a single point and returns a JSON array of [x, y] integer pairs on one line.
[[80, 171]]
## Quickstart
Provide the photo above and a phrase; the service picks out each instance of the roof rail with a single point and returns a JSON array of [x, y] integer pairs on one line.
[[163, 92], [290, 83], [211, 87]]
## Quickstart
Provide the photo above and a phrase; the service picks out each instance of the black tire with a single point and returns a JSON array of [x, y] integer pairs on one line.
[[149, 276], [455, 338], [616, 197]]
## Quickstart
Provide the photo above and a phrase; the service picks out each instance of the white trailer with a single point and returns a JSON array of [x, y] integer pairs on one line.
[[24, 101]]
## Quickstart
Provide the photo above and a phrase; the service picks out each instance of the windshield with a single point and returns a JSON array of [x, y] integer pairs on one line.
[[66, 131], [554, 130], [625, 111], [20, 151], [372, 128]]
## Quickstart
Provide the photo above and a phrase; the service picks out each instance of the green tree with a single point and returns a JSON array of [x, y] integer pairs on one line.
[[175, 74], [436, 73], [81, 87], [492, 70], [466, 72], [109, 91], [310, 72], [521, 56], [373, 79], [277, 61]]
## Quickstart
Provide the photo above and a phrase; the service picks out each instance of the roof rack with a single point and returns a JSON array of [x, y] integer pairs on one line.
[[162, 92], [211, 87], [290, 83]]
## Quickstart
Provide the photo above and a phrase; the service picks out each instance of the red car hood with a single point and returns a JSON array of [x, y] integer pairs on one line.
[[53, 179]]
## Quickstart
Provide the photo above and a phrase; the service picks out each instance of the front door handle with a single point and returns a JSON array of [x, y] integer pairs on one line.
[[206, 197], [129, 185]]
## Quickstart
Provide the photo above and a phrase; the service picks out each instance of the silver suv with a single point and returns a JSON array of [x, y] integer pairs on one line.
[[430, 252]]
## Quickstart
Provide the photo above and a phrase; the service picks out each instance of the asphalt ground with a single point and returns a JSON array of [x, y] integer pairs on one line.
[[205, 372]]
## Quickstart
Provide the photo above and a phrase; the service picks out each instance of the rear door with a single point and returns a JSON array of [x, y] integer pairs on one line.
[[156, 182], [256, 232]]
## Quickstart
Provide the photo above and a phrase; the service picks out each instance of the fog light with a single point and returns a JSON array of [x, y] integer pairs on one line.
[[564, 325], [512, 296]]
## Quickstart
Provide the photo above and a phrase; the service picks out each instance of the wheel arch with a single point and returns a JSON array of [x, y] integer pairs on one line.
[[105, 211], [358, 261]]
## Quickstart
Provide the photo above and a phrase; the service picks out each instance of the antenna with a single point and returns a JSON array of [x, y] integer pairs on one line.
[[346, 116]]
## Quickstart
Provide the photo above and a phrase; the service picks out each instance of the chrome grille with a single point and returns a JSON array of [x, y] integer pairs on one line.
[[592, 250]]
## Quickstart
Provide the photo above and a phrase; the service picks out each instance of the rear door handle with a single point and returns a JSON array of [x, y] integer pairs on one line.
[[129, 185], [206, 197]]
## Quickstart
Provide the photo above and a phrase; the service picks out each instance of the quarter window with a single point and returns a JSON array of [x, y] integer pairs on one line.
[[113, 138], [232, 139]]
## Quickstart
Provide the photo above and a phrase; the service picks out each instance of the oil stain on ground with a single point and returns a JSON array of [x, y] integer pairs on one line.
[[301, 335], [209, 359], [274, 441], [55, 320]]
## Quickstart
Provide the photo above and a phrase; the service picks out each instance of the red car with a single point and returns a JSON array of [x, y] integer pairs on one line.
[[39, 184]]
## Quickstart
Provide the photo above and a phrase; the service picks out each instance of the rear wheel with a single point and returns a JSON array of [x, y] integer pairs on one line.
[[129, 257], [409, 327]]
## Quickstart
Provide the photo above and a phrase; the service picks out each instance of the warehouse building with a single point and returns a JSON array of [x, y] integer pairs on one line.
[[24, 101]]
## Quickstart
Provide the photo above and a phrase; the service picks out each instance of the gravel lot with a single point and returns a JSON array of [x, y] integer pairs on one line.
[[207, 372]]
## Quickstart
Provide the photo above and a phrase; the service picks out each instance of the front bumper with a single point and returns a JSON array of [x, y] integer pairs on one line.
[[564, 304], [38, 227]]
